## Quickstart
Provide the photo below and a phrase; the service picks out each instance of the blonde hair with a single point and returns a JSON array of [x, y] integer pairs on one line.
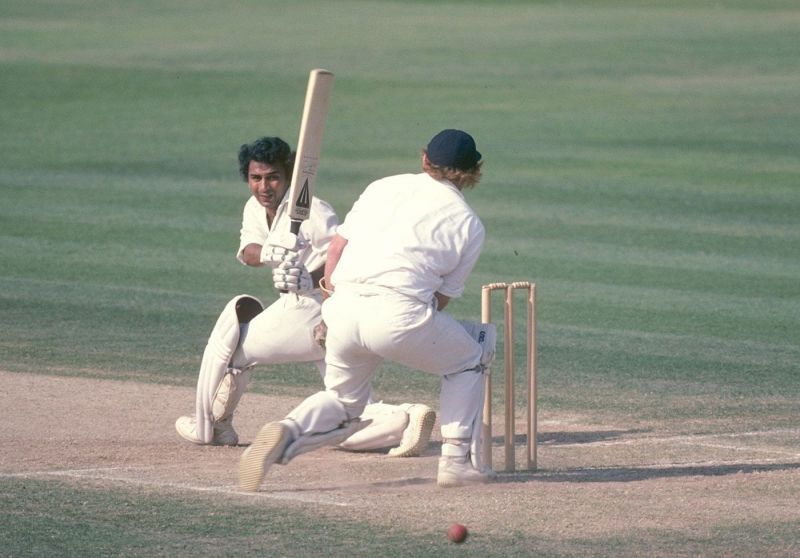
[[461, 178]]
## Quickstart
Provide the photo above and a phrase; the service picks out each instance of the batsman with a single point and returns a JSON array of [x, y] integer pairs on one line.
[[247, 334]]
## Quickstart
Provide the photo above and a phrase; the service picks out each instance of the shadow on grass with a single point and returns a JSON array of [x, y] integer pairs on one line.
[[414, 481], [632, 474], [559, 438], [566, 438]]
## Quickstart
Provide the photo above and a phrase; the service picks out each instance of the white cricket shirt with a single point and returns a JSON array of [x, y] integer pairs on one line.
[[412, 234], [316, 231]]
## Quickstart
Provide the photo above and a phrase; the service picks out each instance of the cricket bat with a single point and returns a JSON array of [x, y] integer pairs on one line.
[[309, 145]]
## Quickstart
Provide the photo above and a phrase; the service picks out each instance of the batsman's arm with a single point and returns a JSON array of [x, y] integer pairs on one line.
[[251, 255], [335, 251]]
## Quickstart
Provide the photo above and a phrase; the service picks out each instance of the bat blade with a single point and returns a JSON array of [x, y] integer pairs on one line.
[[309, 146]]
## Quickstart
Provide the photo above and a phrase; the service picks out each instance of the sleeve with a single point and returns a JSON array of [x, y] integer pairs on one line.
[[357, 214], [454, 282], [253, 229], [317, 232]]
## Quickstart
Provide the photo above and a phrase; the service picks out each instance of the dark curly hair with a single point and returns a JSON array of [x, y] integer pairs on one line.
[[267, 150]]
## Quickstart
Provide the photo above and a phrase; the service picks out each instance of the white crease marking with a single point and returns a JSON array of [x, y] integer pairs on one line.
[[696, 440], [87, 474]]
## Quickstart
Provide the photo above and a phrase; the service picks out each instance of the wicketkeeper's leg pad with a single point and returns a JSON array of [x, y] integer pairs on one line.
[[486, 336], [461, 409], [311, 442], [472, 447], [320, 420]]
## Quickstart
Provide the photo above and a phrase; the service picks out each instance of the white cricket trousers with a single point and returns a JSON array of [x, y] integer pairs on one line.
[[368, 325], [282, 333]]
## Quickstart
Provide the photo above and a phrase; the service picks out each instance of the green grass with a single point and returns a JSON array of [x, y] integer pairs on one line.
[[85, 521], [641, 167], [48, 520]]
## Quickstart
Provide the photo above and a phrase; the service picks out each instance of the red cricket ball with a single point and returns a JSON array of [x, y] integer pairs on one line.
[[457, 533]]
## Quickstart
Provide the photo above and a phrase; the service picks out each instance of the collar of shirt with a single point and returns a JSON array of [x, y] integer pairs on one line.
[[446, 183]]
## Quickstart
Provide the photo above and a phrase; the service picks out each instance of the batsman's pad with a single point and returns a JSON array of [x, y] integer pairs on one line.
[[217, 356], [486, 336], [229, 392]]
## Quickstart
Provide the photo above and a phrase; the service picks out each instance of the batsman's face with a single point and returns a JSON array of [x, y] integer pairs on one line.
[[268, 184]]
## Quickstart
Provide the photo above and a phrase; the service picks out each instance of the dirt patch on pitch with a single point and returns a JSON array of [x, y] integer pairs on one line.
[[594, 480]]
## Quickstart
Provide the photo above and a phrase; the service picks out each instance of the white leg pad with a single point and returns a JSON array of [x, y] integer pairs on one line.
[[467, 427], [385, 431], [477, 441], [461, 447], [318, 421], [219, 350], [455, 447], [310, 442], [229, 392], [486, 336], [321, 412]]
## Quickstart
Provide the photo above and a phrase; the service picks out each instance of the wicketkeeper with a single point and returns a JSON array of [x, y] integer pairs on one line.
[[247, 334]]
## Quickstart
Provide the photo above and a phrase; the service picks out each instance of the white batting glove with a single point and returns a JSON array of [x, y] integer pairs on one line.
[[274, 256], [292, 277]]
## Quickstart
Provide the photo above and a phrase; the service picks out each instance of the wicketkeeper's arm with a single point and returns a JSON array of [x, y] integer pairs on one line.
[[335, 250]]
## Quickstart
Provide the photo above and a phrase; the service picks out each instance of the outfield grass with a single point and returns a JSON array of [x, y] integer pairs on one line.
[[641, 166], [85, 521], [89, 522]]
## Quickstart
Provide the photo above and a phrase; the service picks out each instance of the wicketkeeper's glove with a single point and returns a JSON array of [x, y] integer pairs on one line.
[[292, 277]]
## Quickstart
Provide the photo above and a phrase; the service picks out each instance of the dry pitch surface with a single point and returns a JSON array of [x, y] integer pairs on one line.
[[595, 480]]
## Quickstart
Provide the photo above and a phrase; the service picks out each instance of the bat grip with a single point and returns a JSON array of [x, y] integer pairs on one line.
[[294, 228]]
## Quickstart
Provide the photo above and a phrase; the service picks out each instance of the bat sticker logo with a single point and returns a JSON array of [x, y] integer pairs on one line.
[[303, 197]]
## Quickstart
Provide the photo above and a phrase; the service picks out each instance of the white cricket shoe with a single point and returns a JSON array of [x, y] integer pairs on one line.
[[458, 471], [417, 434], [268, 447], [224, 434]]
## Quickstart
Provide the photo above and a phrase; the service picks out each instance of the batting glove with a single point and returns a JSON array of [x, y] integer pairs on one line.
[[292, 277], [274, 256]]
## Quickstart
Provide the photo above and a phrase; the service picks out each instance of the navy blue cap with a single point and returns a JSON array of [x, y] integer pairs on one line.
[[453, 149]]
